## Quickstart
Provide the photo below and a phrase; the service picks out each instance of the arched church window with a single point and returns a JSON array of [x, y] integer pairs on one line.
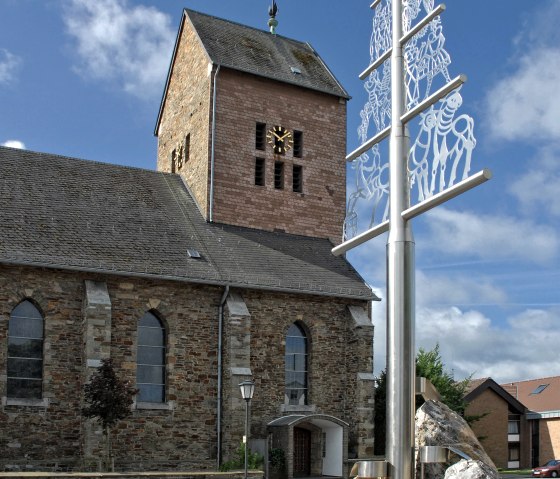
[[150, 359], [296, 365], [25, 352]]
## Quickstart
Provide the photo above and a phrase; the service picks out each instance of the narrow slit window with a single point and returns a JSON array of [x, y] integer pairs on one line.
[[259, 171], [297, 179], [298, 144], [173, 161], [187, 152], [260, 136], [278, 175]]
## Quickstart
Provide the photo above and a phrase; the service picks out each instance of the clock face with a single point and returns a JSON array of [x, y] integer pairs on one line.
[[280, 139]]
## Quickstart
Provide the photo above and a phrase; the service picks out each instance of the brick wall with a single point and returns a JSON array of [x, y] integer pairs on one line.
[[492, 429], [549, 437], [241, 101]]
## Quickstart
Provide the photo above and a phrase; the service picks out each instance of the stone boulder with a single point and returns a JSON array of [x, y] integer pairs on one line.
[[471, 470], [437, 425]]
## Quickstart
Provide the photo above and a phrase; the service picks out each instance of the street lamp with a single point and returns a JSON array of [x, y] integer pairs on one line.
[[247, 390]]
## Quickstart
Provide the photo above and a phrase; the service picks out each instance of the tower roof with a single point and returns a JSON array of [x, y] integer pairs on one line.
[[260, 53], [71, 214]]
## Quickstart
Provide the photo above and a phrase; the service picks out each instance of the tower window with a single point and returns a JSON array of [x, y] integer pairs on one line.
[[173, 161], [259, 171], [260, 136], [187, 152], [297, 179], [278, 175], [298, 144]]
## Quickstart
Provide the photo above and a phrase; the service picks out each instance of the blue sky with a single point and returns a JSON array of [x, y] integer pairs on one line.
[[84, 78]]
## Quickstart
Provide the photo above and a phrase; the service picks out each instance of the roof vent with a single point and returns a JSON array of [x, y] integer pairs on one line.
[[193, 254], [295, 70]]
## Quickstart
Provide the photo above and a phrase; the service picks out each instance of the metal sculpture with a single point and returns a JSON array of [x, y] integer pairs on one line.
[[444, 141], [441, 137]]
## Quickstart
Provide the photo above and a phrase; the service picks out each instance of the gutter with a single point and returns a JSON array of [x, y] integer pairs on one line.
[[220, 347], [213, 147]]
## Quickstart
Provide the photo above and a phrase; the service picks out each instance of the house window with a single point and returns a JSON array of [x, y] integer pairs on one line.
[[513, 423], [278, 175], [513, 452], [259, 171], [297, 179], [25, 352], [260, 136], [150, 360], [298, 144], [296, 366]]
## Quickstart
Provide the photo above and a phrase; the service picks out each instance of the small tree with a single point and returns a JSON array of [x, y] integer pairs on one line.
[[108, 399], [430, 366]]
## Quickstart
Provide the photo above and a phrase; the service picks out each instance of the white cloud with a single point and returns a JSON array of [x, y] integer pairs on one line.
[[539, 188], [459, 290], [128, 45], [9, 63], [492, 237], [14, 144], [525, 104], [471, 344]]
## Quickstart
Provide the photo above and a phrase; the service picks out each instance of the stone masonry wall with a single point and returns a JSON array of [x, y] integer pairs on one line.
[[334, 363], [242, 101], [188, 110], [180, 434]]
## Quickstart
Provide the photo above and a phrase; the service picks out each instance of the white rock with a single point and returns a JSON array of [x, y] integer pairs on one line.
[[471, 470]]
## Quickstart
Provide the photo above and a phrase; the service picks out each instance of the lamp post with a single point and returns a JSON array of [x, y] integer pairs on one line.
[[247, 389]]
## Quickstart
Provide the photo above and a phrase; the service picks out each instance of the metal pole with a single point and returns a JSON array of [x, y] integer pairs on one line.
[[400, 279], [246, 434]]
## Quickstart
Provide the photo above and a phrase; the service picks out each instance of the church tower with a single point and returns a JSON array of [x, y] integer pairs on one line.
[[255, 124]]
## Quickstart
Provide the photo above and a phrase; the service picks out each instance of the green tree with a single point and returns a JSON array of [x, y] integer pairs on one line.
[[107, 399], [428, 365]]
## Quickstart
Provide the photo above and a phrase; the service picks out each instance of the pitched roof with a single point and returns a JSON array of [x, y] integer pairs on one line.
[[260, 53], [478, 386], [68, 213], [539, 395]]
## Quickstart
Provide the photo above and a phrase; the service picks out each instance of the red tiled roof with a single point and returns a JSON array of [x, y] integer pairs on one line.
[[548, 399]]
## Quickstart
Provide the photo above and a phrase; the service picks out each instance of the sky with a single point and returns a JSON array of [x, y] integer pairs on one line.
[[84, 78]]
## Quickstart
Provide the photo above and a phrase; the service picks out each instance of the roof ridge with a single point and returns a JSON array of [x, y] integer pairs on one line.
[[266, 32], [529, 380]]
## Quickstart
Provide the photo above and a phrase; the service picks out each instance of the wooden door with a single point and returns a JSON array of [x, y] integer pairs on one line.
[[302, 452]]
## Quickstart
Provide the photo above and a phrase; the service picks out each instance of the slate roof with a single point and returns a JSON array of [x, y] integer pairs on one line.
[[81, 215], [258, 52]]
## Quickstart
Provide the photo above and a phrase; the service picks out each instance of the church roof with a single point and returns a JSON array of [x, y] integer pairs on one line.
[[67, 213], [258, 52]]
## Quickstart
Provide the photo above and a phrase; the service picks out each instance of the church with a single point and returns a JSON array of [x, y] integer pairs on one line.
[[213, 269]]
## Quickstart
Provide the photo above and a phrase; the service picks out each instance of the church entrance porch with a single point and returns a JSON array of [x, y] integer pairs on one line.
[[312, 446]]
